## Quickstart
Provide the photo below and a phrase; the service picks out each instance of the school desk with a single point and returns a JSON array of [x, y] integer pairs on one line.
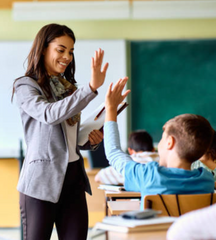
[[118, 207], [113, 196]]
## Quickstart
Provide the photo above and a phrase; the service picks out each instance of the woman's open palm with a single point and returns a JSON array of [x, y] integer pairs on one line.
[[98, 75]]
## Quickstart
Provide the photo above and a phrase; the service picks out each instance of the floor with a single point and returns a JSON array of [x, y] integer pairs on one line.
[[14, 234]]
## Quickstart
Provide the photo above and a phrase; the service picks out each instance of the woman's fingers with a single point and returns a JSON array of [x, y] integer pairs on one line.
[[105, 68], [98, 58], [95, 137]]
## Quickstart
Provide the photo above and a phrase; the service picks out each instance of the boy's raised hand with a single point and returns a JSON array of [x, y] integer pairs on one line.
[[97, 75], [114, 97]]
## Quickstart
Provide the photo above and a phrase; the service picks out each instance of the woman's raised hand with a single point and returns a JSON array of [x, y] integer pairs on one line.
[[97, 75]]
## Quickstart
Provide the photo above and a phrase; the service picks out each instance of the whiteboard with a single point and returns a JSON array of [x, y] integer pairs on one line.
[[12, 66]]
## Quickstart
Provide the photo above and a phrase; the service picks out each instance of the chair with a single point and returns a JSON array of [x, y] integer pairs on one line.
[[176, 205]]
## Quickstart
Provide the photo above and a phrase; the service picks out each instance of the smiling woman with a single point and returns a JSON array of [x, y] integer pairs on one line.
[[53, 180], [58, 55]]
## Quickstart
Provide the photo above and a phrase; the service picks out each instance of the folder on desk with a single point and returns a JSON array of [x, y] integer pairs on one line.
[[95, 121], [119, 224]]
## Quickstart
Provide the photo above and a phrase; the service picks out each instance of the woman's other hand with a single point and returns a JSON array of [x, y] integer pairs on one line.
[[97, 76], [95, 137]]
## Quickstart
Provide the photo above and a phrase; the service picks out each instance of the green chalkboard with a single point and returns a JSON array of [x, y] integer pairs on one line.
[[169, 78]]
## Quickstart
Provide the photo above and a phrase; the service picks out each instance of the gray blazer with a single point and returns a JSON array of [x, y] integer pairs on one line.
[[46, 158]]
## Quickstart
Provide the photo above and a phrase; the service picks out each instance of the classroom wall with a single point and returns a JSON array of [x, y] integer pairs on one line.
[[104, 29], [15, 53], [113, 29]]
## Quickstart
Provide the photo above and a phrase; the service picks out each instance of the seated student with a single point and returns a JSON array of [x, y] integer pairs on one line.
[[185, 139], [140, 148], [199, 224], [208, 160]]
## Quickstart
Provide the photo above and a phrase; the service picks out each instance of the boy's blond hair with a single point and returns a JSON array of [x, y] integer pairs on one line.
[[192, 133]]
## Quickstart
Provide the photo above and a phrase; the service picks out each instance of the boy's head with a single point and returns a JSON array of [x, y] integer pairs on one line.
[[140, 141], [189, 135]]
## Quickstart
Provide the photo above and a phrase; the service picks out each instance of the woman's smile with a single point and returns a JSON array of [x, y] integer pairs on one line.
[[58, 55]]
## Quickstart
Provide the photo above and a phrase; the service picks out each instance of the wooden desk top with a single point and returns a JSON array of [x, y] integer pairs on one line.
[[122, 194], [118, 207], [92, 172], [156, 235]]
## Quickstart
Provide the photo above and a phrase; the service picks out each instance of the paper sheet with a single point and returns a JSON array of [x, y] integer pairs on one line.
[[90, 124]]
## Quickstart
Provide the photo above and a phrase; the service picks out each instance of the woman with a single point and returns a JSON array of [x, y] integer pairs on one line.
[[53, 181]]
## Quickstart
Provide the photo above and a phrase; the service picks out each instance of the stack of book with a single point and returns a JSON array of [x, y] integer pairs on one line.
[[119, 224]]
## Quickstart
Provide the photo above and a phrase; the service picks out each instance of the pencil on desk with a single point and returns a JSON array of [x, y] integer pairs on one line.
[[98, 115]]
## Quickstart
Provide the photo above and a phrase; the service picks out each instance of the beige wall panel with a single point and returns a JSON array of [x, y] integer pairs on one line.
[[9, 196], [7, 4]]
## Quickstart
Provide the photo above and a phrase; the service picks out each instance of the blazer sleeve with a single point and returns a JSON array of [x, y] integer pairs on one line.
[[31, 100]]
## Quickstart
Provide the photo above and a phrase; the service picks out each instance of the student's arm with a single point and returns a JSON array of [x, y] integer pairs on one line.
[[117, 158], [199, 224], [109, 175], [121, 161]]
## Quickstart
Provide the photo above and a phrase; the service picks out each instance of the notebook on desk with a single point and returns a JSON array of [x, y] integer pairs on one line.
[[113, 188], [119, 224]]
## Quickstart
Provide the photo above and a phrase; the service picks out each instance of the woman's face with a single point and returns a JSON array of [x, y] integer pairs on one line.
[[58, 55]]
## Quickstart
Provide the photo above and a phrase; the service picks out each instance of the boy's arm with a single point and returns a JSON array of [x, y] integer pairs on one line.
[[117, 158]]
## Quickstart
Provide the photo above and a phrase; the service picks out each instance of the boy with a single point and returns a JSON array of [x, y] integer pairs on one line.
[[185, 139], [140, 148]]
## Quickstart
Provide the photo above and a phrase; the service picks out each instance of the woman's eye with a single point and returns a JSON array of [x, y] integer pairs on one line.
[[61, 51], [71, 53]]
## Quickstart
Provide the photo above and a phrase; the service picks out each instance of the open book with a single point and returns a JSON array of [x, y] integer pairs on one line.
[[95, 121], [113, 188], [119, 224]]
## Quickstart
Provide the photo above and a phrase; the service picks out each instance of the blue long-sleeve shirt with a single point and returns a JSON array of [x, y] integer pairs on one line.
[[151, 178]]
